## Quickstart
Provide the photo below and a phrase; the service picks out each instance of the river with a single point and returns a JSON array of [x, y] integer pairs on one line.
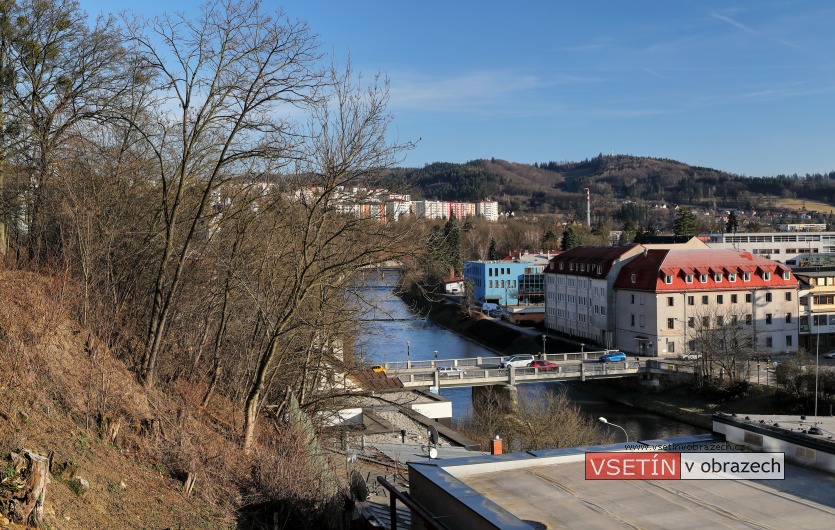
[[393, 331]]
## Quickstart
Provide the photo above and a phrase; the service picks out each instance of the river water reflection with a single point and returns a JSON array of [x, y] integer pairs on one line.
[[409, 334]]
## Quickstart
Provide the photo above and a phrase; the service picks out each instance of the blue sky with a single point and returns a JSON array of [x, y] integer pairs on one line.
[[746, 87]]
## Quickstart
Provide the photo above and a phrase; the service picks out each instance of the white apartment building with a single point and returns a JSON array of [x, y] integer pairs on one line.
[[487, 209], [430, 209], [664, 297], [579, 294], [792, 248]]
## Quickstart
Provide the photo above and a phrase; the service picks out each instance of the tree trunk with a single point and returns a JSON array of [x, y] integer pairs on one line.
[[29, 501]]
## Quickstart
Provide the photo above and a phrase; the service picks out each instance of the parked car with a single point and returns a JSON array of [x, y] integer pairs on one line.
[[613, 357], [517, 361], [544, 365], [829, 354], [449, 371], [692, 356], [379, 368]]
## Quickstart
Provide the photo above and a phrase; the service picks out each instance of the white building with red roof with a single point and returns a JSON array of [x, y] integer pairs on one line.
[[664, 297]]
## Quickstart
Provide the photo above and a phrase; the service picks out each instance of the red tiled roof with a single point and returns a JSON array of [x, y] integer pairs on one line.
[[649, 269]]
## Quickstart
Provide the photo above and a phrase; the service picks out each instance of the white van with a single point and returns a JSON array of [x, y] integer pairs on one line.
[[517, 361]]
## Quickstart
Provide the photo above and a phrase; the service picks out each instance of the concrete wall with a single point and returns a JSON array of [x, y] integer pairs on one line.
[[797, 448]]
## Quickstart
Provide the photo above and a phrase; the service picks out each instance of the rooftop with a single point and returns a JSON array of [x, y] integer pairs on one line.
[[548, 489]]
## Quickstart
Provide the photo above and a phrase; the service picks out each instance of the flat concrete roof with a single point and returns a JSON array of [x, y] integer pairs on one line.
[[548, 489]]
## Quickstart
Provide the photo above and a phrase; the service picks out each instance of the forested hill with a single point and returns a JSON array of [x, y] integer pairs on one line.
[[554, 185]]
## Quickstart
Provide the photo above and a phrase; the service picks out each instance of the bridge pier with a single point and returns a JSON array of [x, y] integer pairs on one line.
[[491, 399]]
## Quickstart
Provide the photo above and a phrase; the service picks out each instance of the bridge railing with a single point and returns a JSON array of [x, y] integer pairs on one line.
[[588, 369], [431, 364]]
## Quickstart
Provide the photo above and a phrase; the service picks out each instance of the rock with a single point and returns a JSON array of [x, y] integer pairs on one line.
[[122, 485], [81, 485]]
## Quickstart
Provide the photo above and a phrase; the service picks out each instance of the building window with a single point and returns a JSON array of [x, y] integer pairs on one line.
[[691, 322], [717, 277], [704, 300], [703, 278], [720, 299], [748, 297], [746, 276], [788, 318], [691, 300], [671, 347], [670, 301], [769, 342], [671, 323], [642, 320], [788, 297], [633, 321], [788, 340], [720, 320], [734, 319], [731, 276], [633, 278], [767, 297], [766, 276], [632, 296], [787, 276], [668, 279], [561, 266], [734, 298], [706, 322], [688, 278], [748, 319], [768, 318], [691, 345]]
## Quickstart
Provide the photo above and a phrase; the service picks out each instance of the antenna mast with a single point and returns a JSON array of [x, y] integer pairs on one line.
[[588, 206]]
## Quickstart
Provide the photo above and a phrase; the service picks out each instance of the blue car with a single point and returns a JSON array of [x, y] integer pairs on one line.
[[613, 357]]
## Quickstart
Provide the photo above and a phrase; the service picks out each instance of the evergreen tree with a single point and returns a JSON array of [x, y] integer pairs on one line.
[[550, 240], [685, 223], [733, 224], [452, 238], [492, 251], [570, 239]]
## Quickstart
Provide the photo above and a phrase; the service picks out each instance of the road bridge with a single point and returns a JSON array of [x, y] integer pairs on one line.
[[484, 371]]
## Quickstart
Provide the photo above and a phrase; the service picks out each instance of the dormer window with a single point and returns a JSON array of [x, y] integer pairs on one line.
[[787, 275], [582, 267], [571, 266], [766, 276], [688, 278], [634, 278], [717, 277], [703, 278], [668, 279], [746, 276], [731, 276], [561, 265]]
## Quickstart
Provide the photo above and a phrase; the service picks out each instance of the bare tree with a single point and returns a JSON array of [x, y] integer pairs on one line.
[[347, 146], [724, 341], [222, 84]]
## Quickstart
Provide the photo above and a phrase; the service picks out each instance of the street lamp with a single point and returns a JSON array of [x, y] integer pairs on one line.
[[544, 350], [408, 355], [607, 422]]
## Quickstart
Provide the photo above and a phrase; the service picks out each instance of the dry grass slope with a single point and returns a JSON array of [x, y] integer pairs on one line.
[[62, 392]]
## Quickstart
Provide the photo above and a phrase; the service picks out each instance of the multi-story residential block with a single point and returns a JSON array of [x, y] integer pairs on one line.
[[579, 295], [792, 248], [430, 209], [666, 299], [488, 210], [396, 208], [817, 308]]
